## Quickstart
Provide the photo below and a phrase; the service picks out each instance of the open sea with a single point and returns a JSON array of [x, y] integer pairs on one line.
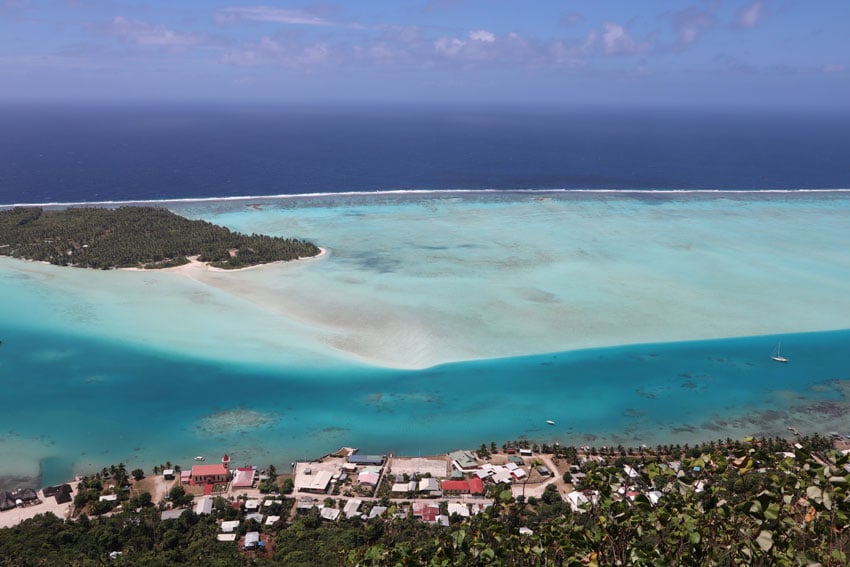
[[624, 274]]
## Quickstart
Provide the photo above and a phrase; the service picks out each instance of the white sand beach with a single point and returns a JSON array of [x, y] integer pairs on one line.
[[15, 516]]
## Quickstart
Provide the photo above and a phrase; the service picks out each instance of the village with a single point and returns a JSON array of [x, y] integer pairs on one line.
[[253, 504]]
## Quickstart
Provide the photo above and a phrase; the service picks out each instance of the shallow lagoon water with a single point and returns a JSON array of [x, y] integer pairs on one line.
[[414, 333]]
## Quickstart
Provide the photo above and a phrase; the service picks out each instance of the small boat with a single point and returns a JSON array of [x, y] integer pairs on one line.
[[777, 354], [550, 422], [199, 458]]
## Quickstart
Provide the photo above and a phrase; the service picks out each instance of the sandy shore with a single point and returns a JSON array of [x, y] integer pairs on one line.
[[17, 515], [195, 264]]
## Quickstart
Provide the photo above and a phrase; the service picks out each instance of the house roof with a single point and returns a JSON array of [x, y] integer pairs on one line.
[[368, 478], [229, 526], [455, 486], [476, 485], [351, 507], [203, 470], [366, 459], [172, 514], [243, 478], [203, 505], [427, 484]]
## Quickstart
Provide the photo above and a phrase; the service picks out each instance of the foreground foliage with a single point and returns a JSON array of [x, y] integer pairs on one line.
[[134, 237]]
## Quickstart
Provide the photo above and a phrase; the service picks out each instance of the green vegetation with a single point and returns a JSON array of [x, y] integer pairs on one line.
[[146, 237], [763, 502]]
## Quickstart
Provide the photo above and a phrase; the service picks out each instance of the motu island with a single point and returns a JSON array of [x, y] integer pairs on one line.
[[144, 237]]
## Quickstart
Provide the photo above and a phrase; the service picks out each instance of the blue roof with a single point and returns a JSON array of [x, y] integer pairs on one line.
[[366, 459]]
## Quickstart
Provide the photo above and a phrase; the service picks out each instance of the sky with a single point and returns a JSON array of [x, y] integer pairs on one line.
[[563, 52]]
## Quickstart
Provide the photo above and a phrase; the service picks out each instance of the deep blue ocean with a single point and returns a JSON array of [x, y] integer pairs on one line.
[[95, 153]]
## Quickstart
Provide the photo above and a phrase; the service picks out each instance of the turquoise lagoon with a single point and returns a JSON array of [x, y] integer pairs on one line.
[[438, 321]]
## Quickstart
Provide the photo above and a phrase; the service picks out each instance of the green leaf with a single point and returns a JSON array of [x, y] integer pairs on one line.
[[827, 500], [772, 511], [814, 493]]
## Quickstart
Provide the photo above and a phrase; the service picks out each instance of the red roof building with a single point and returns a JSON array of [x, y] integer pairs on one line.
[[473, 485], [207, 474]]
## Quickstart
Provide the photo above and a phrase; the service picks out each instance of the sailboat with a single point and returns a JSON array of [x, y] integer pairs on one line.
[[777, 354]]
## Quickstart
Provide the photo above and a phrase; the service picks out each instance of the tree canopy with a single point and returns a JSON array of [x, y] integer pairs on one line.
[[147, 237]]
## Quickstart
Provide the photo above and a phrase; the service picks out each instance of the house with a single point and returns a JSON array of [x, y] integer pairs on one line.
[[518, 474], [359, 460], [368, 478], [252, 540], [525, 452], [544, 470], [426, 512], [429, 485], [109, 498], [168, 474], [204, 505], [484, 473], [226, 537], [403, 487], [329, 514], [209, 474], [61, 492], [464, 461], [501, 475], [243, 477], [230, 526], [472, 486], [271, 520], [25, 494], [459, 509], [318, 483], [256, 517], [172, 514], [351, 507], [377, 511], [304, 505], [6, 500]]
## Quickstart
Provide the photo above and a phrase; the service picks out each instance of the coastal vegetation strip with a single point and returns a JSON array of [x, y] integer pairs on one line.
[[135, 237]]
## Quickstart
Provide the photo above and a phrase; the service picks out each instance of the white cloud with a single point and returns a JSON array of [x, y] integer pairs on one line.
[[750, 16], [449, 46], [276, 52], [153, 34], [482, 35], [270, 14], [617, 41], [832, 68]]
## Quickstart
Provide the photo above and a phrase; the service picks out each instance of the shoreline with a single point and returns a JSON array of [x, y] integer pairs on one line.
[[195, 264]]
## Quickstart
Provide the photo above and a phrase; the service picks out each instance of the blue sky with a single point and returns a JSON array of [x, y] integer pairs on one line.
[[619, 52]]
